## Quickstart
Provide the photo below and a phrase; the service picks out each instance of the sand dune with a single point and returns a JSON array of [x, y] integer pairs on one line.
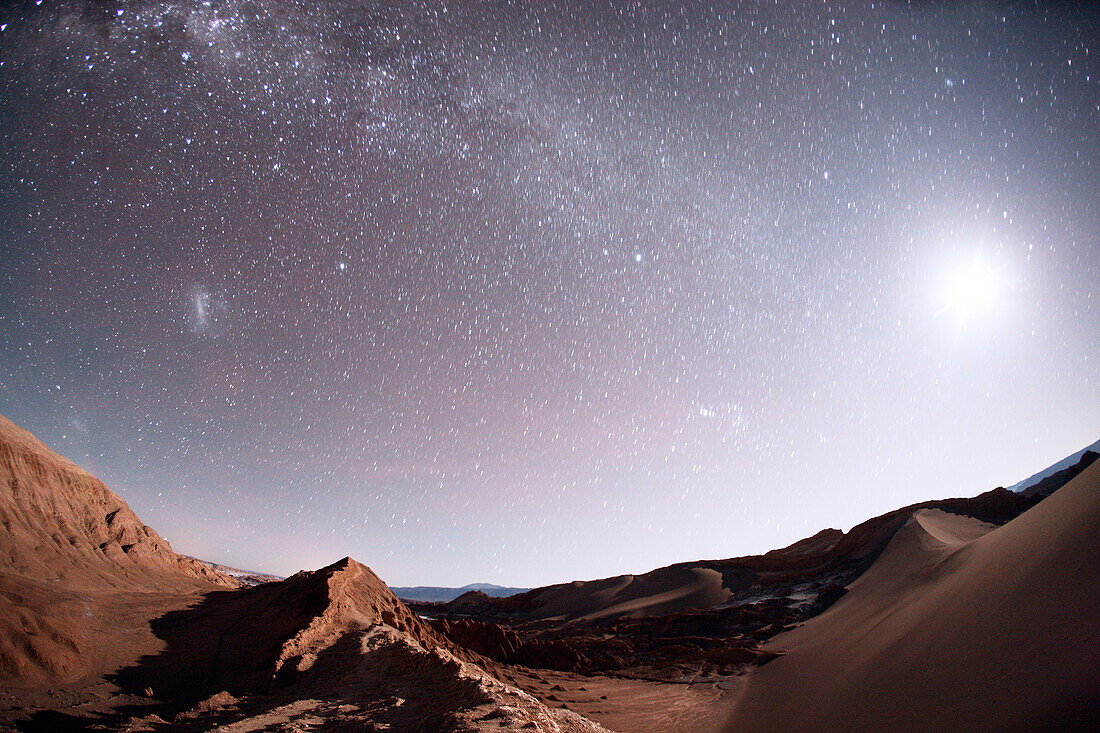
[[657, 593], [957, 626], [810, 569]]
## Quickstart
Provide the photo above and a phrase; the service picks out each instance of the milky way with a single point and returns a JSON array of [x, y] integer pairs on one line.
[[497, 292]]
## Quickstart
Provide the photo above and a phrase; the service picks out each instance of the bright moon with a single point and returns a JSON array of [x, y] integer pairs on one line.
[[971, 290]]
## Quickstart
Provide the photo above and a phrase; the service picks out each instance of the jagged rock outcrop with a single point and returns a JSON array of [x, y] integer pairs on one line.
[[504, 645], [345, 597], [96, 608], [334, 634], [488, 639]]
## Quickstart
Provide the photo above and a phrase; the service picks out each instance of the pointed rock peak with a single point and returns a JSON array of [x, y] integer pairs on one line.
[[348, 564], [341, 564], [345, 598]]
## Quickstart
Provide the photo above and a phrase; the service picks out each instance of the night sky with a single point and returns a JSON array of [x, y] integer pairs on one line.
[[484, 292]]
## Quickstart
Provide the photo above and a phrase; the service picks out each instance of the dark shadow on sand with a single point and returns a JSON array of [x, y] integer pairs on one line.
[[228, 641]]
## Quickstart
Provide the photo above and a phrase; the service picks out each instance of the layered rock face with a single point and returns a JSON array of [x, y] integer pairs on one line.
[[70, 552], [63, 525]]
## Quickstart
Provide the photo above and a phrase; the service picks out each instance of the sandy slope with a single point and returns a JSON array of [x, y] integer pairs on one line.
[[628, 705], [953, 628], [808, 572], [656, 593]]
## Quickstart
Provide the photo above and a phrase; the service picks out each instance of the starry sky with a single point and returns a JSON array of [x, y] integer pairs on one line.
[[530, 292]]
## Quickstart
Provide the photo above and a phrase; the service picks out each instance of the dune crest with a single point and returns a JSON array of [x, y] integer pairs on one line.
[[947, 603], [956, 626]]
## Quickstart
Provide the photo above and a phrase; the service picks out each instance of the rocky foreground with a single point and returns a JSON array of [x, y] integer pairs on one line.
[[103, 626]]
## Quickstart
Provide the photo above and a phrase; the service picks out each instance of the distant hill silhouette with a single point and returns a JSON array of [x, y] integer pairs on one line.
[[435, 594]]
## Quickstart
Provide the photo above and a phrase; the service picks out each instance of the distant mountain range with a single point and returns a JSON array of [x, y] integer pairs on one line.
[[432, 594], [1067, 462]]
